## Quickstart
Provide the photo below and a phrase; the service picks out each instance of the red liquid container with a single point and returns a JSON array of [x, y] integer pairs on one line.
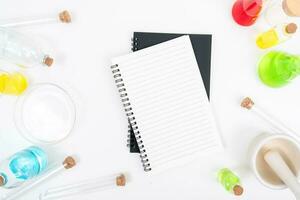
[[245, 12]]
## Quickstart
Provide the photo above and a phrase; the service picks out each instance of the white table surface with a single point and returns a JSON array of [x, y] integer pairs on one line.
[[102, 30]]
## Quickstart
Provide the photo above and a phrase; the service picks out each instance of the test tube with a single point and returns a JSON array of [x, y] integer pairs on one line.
[[84, 187], [276, 124], [62, 17], [68, 163]]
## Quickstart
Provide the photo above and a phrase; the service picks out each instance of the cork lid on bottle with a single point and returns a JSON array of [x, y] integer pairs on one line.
[[69, 162], [48, 61], [2, 181], [247, 103], [65, 16], [291, 28], [238, 190], [291, 7], [121, 180]]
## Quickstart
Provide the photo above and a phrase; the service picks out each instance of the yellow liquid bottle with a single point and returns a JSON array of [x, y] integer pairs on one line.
[[12, 84], [276, 35], [3, 78]]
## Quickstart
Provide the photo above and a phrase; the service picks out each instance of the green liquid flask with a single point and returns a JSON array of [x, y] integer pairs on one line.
[[277, 69], [230, 181]]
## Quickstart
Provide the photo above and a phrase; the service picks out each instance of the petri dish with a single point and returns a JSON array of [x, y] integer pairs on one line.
[[45, 114]]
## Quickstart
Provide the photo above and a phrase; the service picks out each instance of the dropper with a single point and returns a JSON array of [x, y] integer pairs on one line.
[[68, 163], [62, 17]]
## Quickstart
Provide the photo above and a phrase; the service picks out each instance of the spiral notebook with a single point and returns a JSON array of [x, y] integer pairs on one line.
[[166, 103], [202, 48]]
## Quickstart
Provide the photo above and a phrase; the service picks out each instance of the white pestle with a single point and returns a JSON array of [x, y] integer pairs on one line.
[[282, 170]]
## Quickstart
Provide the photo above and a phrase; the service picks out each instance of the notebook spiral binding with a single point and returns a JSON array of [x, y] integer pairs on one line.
[[128, 136], [129, 113], [134, 44], [130, 141]]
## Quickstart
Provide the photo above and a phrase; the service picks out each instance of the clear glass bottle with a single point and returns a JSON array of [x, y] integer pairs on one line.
[[21, 50], [276, 35], [282, 11], [22, 166], [62, 17]]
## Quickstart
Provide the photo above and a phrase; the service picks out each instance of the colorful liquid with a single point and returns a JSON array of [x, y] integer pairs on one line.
[[245, 12], [277, 69], [230, 181], [267, 39], [23, 166], [12, 84], [276, 35], [28, 163]]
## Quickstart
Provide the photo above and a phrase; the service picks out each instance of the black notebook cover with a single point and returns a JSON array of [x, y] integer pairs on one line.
[[202, 49]]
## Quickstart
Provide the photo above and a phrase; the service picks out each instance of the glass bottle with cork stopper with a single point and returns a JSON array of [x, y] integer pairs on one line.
[[61, 17], [276, 35], [282, 11], [22, 166], [230, 182], [277, 68], [21, 50]]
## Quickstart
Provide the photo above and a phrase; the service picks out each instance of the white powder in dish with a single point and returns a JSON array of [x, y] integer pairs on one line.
[[47, 114]]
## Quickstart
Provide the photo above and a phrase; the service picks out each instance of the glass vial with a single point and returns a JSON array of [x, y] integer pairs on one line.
[[230, 182], [282, 11], [22, 166], [276, 35], [21, 50]]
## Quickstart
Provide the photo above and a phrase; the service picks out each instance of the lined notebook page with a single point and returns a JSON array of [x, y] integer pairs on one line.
[[169, 103]]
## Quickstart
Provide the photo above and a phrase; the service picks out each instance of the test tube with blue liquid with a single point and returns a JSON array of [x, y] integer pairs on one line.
[[22, 166]]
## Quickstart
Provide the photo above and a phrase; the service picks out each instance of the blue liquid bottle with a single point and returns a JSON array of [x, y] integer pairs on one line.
[[22, 166]]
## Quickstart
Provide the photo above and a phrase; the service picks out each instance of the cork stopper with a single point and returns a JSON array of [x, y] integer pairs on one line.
[[69, 162], [121, 180], [48, 61], [65, 17], [291, 28], [238, 190], [247, 103], [291, 7], [2, 181]]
